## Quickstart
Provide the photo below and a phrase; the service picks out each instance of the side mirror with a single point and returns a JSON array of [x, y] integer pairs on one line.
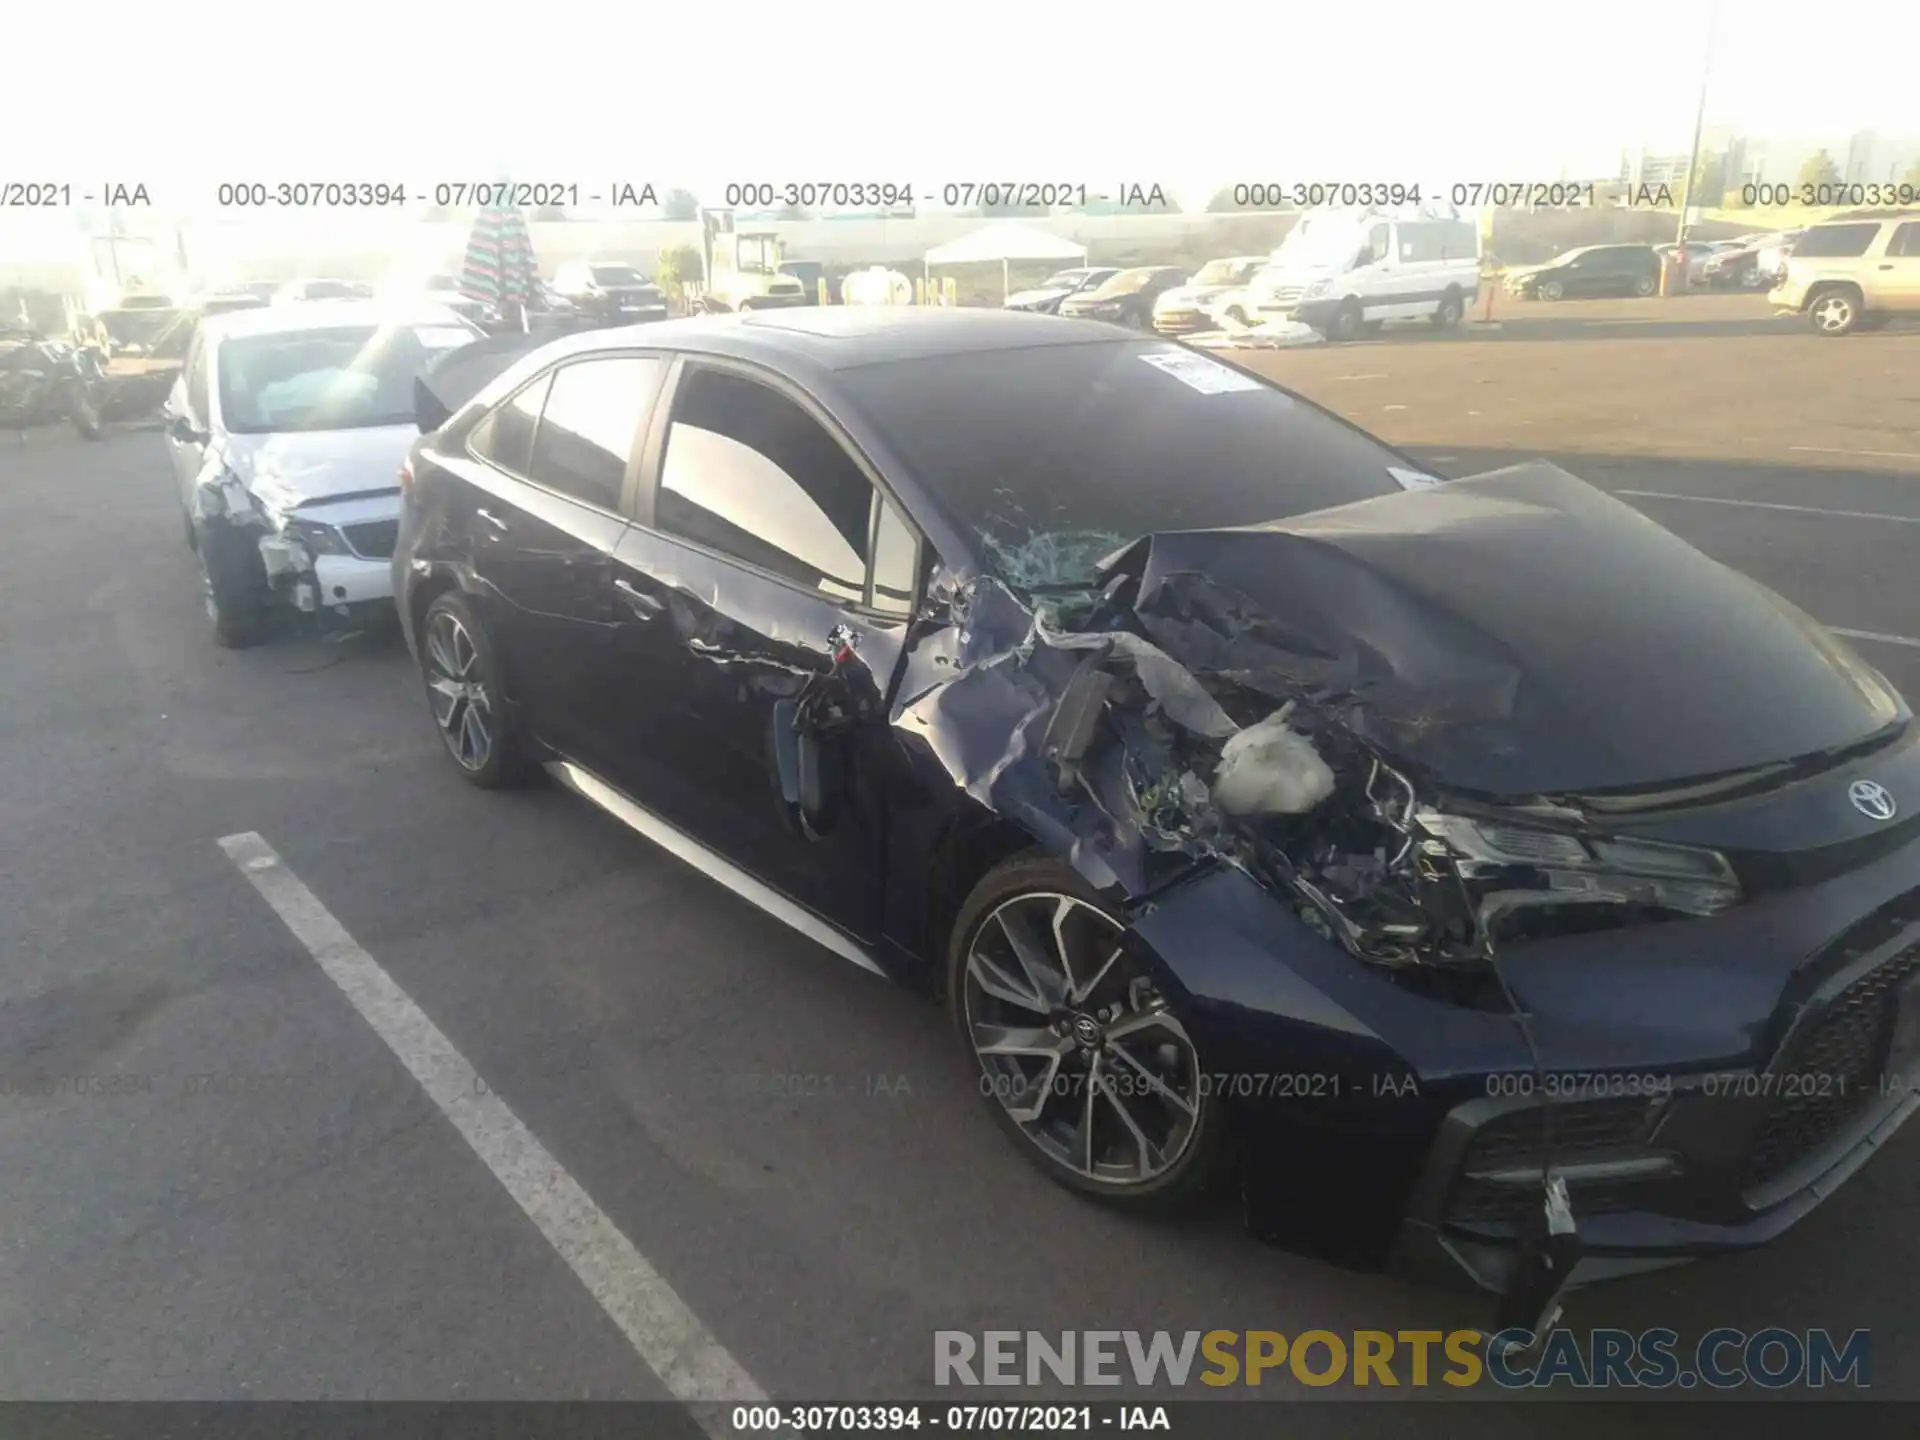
[[181, 429]]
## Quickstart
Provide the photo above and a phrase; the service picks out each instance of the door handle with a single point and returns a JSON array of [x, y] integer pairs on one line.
[[492, 519], [642, 604], [1886, 267]]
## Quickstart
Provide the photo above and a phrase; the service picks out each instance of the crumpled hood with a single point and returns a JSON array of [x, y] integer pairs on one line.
[[1515, 633], [296, 468]]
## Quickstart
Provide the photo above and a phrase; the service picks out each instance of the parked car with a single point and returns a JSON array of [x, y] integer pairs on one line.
[[610, 293], [1195, 306], [1171, 730], [1698, 253], [1345, 271], [1588, 271], [1856, 272], [222, 302], [1045, 298], [285, 431], [323, 289], [1737, 267], [1772, 261], [1126, 297]]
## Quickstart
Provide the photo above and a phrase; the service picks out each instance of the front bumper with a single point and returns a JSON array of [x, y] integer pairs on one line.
[[1183, 322], [1713, 1080]]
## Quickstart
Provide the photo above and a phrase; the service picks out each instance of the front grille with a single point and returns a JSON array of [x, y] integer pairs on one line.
[[1835, 1069], [1588, 1130], [373, 540], [1280, 299]]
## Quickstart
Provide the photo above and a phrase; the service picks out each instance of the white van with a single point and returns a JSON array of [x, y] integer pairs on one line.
[[1342, 271]]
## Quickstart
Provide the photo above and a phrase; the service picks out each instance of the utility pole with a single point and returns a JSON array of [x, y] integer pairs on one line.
[[1699, 121]]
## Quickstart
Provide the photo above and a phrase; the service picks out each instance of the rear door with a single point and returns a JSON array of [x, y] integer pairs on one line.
[[762, 550], [548, 511], [1896, 274]]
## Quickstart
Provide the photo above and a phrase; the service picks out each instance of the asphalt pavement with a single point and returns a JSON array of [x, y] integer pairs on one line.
[[236, 1159]]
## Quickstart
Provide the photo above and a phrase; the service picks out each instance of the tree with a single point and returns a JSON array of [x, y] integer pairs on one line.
[[550, 213], [1819, 170], [1709, 179], [679, 267], [680, 204]]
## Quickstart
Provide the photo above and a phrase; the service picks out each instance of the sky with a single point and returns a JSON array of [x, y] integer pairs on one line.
[[699, 95]]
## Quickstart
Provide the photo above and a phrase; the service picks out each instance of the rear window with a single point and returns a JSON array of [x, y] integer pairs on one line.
[[1835, 241], [1056, 455]]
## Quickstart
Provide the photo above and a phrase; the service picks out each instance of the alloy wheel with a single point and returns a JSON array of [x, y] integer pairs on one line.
[[1833, 313], [457, 689], [1075, 1043]]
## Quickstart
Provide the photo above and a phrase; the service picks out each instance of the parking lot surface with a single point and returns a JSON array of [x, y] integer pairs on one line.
[[276, 1196]]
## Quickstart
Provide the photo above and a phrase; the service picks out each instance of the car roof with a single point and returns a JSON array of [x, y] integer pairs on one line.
[[324, 315], [844, 337]]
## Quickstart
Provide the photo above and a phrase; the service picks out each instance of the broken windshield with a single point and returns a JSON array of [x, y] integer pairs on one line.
[[1092, 445]]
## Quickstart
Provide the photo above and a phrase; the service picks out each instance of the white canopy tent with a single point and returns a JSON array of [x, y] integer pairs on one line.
[[1006, 240]]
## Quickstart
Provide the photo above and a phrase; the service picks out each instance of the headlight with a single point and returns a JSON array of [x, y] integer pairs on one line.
[[318, 538], [1518, 866], [1315, 289]]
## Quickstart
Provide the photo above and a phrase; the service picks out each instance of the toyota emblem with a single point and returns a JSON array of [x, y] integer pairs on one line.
[[1086, 1030], [1872, 799]]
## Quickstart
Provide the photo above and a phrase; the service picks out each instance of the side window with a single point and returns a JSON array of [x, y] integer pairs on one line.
[[197, 365], [1379, 243], [752, 475], [593, 412], [505, 438], [1906, 239], [896, 553], [1419, 242]]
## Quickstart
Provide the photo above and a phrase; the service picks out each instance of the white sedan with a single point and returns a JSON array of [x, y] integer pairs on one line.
[[286, 431]]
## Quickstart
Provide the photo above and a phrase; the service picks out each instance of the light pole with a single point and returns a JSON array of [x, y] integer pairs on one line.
[[1699, 120]]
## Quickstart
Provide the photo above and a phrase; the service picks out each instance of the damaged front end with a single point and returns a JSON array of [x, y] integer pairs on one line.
[[1404, 715], [325, 557]]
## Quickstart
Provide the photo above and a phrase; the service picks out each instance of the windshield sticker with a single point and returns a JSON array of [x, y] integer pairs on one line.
[[1197, 372], [1414, 479]]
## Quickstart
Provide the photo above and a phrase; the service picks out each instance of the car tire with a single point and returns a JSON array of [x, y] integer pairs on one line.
[[476, 725], [1552, 290], [1070, 1010], [1645, 286], [1346, 322], [233, 587], [1834, 310], [1452, 307]]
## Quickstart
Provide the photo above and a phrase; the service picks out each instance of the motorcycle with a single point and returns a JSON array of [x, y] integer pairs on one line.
[[48, 382]]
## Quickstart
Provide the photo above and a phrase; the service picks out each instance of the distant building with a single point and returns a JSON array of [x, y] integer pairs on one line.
[[1871, 156]]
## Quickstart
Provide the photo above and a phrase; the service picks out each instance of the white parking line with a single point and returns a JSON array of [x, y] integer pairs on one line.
[[1883, 454], [1773, 505], [668, 1336]]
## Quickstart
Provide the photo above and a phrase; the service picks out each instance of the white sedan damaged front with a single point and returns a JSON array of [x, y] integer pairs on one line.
[[322, 557]]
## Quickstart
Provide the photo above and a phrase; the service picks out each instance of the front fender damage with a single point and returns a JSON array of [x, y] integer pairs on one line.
[[247, 547]]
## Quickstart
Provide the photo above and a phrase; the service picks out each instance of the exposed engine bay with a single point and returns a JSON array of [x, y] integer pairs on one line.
[[1427, 766]]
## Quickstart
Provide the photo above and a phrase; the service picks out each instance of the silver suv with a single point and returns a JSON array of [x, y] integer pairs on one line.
[[1855, 272]]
